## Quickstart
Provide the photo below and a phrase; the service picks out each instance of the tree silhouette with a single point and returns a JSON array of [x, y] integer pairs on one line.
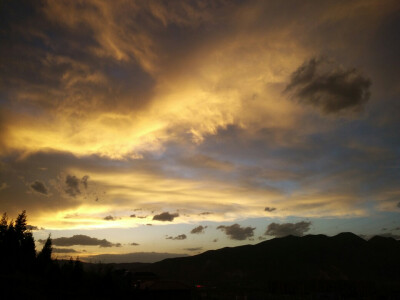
[[45, 255], [3, 226], [20, 226], [3, 244], [28, 251], [17, 246], [25, 243], [11, 248]]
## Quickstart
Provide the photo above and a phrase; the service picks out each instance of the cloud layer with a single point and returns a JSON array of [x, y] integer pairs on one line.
[[165, 217], [82, 240], [236, 232], [281, 230]]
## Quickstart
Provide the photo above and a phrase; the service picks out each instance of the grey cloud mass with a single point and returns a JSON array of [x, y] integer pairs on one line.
[[165, 217], [72, 183], [398, 205], [84, 181], [281, 230], [64, 250], [236, 232], [329, 87], [198, 229], [178, 237], [82, 240], [39, 187], [269, 209]]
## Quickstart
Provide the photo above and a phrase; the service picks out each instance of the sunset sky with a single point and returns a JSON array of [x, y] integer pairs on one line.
[[178, 127]]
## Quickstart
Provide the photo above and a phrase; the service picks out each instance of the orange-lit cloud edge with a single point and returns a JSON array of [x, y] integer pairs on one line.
[[233, 78]]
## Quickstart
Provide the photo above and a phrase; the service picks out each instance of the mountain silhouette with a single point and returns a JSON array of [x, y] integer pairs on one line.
[[345, 257]]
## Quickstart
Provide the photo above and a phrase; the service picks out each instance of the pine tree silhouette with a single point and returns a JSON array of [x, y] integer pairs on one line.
[[17, 246], [45, 254]]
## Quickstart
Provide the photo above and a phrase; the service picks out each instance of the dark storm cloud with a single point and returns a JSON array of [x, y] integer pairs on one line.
[[236, 232], [39, 187], [84, 181], [64, 250], [269, 209], [133, 216], [198, 229], [72, 183], [280, 230], [194, 249], [329, 87], [46, 53], [109, 218], [178, 237], [82, 240], [22, 172], [134, 244], [165, 216]]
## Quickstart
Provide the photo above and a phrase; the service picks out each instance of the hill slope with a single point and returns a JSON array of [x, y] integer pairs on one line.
[[312, 257]]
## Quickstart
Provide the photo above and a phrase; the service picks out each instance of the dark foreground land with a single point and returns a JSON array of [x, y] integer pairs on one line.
[[310, 267]]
